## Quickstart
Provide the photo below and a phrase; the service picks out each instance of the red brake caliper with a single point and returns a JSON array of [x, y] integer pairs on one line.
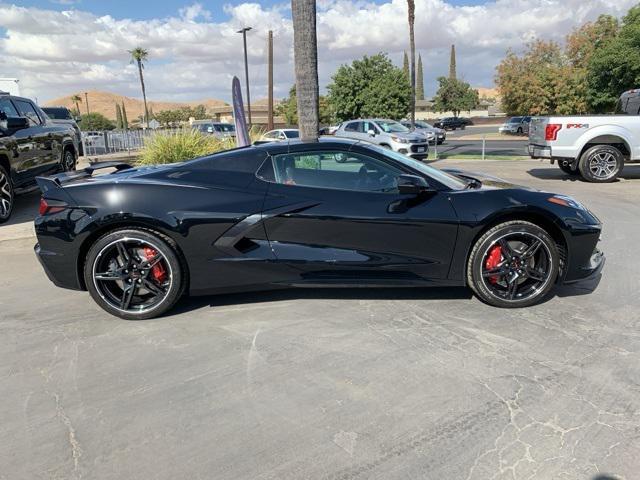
[[493, 260], [157, 271]]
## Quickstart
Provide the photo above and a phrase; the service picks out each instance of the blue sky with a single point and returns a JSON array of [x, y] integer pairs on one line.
[[146, 9]]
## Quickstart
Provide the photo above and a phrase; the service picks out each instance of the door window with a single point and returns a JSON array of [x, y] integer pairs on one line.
[[7, 108], [353, 127], [26, 110], [336, 170]]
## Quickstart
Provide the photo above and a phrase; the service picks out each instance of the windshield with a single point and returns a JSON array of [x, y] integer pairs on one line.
[[421, 124], [446, 179], [392, 127], [515, 120], [291, 133]]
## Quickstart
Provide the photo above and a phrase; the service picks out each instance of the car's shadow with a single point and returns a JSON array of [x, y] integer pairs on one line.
[[628, 173], [25, 208], [189, 304]]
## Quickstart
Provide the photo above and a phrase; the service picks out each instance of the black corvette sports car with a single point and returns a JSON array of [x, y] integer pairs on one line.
[[328, 213]]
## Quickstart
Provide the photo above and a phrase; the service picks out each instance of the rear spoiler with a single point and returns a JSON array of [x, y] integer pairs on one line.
[[57, 181]]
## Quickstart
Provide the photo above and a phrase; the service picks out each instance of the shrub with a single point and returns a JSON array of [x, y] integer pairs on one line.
[[181, 146]]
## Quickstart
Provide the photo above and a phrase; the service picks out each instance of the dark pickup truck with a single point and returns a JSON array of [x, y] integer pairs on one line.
[[30, 145]]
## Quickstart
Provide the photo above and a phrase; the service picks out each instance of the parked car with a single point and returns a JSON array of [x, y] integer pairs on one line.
[[93, 138], [516, 125], [217, 129], [432, 134], [329, 130], [280, 135], [451, 123], [280, 215], [63, 116], [388, 134], [594, 146], [30, 145]]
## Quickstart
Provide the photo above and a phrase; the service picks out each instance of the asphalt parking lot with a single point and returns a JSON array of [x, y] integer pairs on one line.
[[331, 384]]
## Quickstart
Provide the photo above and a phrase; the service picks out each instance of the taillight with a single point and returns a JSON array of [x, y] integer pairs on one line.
[[47, 208], [551, 131]]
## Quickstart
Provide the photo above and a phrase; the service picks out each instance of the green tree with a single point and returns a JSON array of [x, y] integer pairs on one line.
[[370, 87], [455, 95], [125, 122], [305, 54], [118, 117], [420, 80], [452, 63], [138, 56], [199, 112], [77, 100], [288, 108], [95, 121], [615, 66], [405, 64]]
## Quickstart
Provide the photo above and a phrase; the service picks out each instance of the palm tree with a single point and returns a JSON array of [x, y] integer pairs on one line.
[[77, 99], [412, 45], [139, 55], [305, 50]]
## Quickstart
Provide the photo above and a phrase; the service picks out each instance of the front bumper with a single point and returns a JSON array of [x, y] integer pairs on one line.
[[592, 269]]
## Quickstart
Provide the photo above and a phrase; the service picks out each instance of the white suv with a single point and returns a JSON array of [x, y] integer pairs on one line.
[[388, 134]]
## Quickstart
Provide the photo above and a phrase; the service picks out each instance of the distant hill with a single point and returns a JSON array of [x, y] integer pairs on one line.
[[105, 103]]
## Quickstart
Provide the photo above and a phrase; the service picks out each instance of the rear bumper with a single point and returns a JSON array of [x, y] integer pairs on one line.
[[56, 266], [539, 151]]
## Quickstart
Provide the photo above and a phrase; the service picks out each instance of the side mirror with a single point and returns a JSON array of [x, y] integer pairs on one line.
[[412, 185], [17, 123], [372, 133]]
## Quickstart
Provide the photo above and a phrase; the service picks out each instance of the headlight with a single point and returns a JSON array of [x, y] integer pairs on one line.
[[399, 140], [566, 201]]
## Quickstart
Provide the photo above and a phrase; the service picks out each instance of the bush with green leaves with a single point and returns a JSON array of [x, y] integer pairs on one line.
[[180, 146]]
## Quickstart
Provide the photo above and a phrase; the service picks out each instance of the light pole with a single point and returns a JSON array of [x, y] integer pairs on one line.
[[86, 101], [246, 68]]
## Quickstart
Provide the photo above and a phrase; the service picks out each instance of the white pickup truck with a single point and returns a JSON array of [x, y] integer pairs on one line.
[[594, 146]]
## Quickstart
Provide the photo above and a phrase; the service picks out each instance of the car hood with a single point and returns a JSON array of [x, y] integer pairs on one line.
[[488, 181], [414, 137]]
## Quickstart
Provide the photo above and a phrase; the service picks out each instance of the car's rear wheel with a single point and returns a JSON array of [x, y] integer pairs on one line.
[[568, 168], [601, 163], [7, 195], [514, 264], [134, 274]]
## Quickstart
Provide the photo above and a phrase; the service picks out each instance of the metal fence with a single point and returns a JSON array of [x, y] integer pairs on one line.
[[116, 141]]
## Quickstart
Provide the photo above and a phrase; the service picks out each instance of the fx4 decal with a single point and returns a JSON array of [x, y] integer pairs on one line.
[[577, 125]]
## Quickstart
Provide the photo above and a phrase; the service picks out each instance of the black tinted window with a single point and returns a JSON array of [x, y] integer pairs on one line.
[[243, 160], [7, 107], [57, 113], [352, 127], [25, 109]]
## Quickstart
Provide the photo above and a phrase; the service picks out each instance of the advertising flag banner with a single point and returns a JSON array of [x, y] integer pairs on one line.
[[242, 132]]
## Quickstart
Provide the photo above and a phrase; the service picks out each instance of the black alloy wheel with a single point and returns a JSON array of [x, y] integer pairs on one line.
[[68, 161], [514, 264], [134, 274], [6, 195]]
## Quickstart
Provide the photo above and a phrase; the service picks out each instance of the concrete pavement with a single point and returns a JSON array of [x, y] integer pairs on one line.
[[332, 384]]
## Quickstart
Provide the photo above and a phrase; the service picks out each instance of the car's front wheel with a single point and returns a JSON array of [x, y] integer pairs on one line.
[[68, 160], [514, 264], [134, 274], [6, 195]]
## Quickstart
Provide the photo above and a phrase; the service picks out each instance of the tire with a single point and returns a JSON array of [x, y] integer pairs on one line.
[[519, 130], [388, 147], [68, 162], [7, 195], [601, 164], [106, 292], [496, 289], [568, 168]]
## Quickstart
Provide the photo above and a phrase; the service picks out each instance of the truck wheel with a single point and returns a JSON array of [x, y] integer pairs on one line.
[[6, 195], [601, 163], [568, 168], [68, 160]]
